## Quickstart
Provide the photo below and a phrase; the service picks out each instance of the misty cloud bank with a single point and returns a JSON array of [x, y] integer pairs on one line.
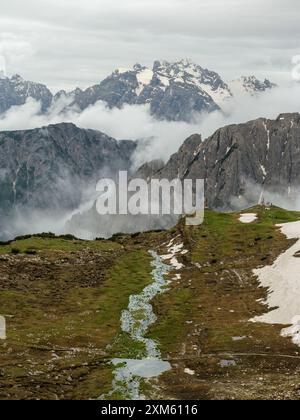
[[158, 139]]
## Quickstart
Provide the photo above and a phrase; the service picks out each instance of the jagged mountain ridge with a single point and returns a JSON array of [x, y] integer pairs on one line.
[[15, 91], [48, 167], [242, 163], [251, 85], [173, 91]]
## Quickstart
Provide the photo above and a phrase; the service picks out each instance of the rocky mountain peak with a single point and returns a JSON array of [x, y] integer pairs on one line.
[[251, 85], [17, 78], [291, 117], [52, 166], [241, 163], [15, 91]]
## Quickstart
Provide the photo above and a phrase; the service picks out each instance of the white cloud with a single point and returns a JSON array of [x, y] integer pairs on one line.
[[160, 138], [14, 50]]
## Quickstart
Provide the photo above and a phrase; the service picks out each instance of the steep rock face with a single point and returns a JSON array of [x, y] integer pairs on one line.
[[149, 169], [243, 163], [15, 91], [49, 167], [180, 162]]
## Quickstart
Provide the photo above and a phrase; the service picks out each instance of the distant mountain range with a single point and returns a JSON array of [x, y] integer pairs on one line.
[[173, 91]]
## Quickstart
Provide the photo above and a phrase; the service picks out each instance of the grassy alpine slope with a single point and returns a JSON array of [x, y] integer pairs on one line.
[[63, 307], [62, 299], [203, 322]]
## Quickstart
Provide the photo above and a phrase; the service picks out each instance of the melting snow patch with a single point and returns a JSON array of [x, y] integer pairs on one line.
[[173, 250], [248, 217], [176, 264], [189, 371], [144, 78], [283, 281], [263, 169], [238, 338]]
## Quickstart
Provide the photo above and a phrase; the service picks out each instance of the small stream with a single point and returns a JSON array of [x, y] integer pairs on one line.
[[135, 321]]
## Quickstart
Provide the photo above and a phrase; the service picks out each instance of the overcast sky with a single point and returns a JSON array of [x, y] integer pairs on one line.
[[68, 43]]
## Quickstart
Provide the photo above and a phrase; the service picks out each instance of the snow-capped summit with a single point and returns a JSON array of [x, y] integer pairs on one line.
[[185, 71], [2, 74], [174, 91], [251, 85]]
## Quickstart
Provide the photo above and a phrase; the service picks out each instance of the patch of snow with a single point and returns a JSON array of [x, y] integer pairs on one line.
[[179, 80], [145, 76], [219, 95], [239, 338], [189, 371], [268, 135], [167, 257], [174, 262], [122, 70], [248, 217], [173, 250], [164, 80], [283, 281], [176, 248], [263, 169]]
